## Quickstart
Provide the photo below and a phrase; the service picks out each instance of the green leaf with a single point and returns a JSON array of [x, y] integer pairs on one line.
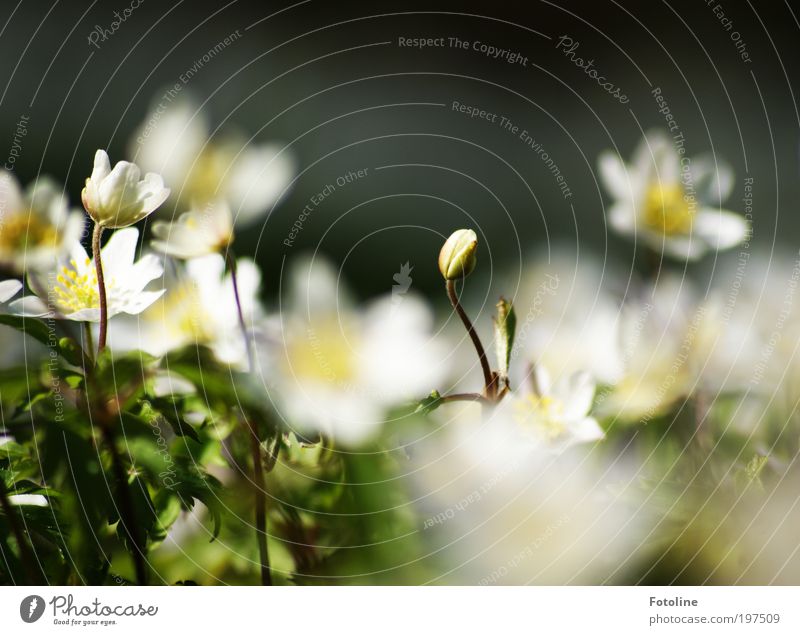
[[168, 411], [429, 404], [17, 384], [505, 325], [70, 351], [754, 466], [168, 510], [37, 329]]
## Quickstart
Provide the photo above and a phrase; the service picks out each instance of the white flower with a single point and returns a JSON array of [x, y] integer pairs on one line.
[[555, 414], [177, 143], [196, 233], [659, 343], [15, 350], [337, 368], [567, 319], [71, 291], [198, 308], [118, 197], [35, 227], [497, 511], [671, 202]]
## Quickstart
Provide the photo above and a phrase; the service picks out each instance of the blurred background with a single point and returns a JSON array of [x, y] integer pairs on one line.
[[331, 82], [389, 162]]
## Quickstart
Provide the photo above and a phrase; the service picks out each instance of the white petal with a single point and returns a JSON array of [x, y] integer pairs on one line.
[[576, 392], [146, 270], [542, 384], [78, 257], [48, 200], [249, 280], [622, 218], [712, 180], [586, 430], [206, 270], [10, 193], [720, 228], [101, 168], [8, 289], [140, 301], [680, 247], [615, 176], [169, 141], [658, 159], [151, 192], [36, 500], [73, 228], [119, 252], [258, 178], [89, 315], [29, 306]]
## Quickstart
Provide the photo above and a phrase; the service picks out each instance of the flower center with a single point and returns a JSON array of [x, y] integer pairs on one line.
[[74, 291], [667, 210], [25, 230], [542, 415]]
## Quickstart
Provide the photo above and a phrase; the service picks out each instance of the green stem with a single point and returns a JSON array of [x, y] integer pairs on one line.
[[231, 261], [465, 396], [488, 376], [101, 286], [259, 478], [88, 346], [127, 514], [29, 564], [260, 484]]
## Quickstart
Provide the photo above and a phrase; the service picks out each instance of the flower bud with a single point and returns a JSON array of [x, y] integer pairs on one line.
[[457, 257], [118, 197]]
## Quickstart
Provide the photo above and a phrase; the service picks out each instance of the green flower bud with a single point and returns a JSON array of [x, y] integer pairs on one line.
[[457, 258]]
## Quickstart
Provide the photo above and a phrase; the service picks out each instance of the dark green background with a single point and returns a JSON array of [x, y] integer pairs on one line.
[[745, 112]]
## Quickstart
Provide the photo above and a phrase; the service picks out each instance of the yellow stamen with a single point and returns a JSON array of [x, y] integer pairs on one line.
[[26, 230], [667, 209], [544, 415]]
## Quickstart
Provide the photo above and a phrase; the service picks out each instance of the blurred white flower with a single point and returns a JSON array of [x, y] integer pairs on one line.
[[338, 368], [659, 342], [71, 290], [567, 320], [13, 348], [35, 500], [118, 197], [555, 414], [177, 143], [752, 326], [670, 201], [198, 308], [498, 511], [198, 232], [35, 227]]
